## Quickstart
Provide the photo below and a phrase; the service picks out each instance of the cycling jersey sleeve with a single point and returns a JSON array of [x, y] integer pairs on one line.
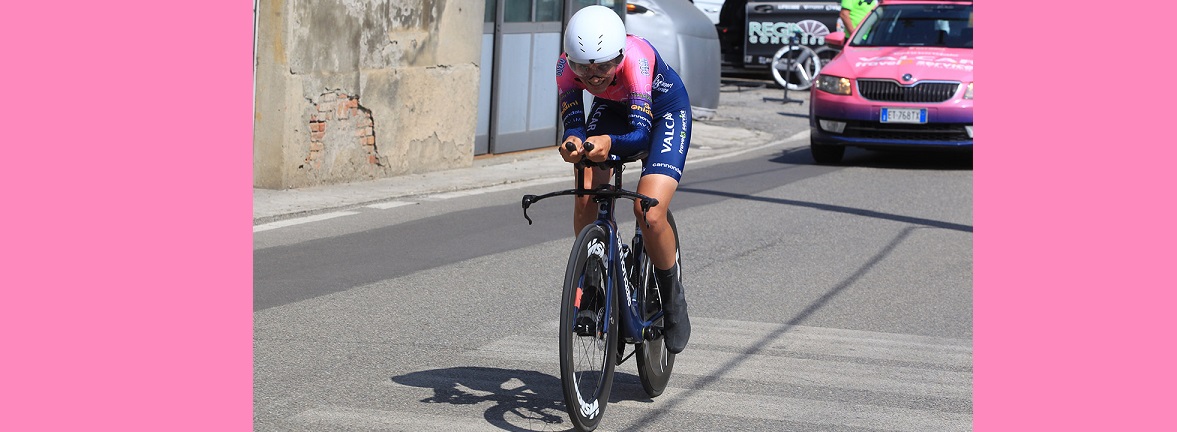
[[636, 73], [571, 100]]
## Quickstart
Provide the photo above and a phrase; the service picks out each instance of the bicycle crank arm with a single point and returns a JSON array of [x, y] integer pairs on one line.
[[652, 332]]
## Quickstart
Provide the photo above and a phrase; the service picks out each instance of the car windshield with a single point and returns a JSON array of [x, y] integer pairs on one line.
[[940, 25]]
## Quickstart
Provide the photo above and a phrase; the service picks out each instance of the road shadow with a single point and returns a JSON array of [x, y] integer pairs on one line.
[[521, 400], [740, 85], [781, 333], [744, 81], [837, 209], [797, 115], [936, 160]]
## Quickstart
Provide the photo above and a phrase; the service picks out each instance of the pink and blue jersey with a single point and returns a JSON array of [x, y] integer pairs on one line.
[[645, 108]]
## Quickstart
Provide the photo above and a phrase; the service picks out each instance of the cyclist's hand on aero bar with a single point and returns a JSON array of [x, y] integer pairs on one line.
[[570, 149], [601, 144]]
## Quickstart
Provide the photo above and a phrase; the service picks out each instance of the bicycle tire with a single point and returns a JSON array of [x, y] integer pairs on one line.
[[800, 72], [655, 363], [586, 392]]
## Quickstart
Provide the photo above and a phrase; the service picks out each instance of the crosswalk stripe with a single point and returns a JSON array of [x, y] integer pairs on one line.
[[858, 380], [834, 342], [797, 355], [332, 418], [801, 410], [779, 369], [730, 335]]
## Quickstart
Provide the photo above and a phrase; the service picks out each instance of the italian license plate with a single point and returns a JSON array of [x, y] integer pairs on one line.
[[904, 115]]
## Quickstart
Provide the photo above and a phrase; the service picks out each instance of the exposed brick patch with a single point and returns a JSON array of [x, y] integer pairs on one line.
[[339, 111]]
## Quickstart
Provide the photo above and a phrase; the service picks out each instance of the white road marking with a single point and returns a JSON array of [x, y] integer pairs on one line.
[[301, 220], [390, 204], [886, 365], [498, 188], [333, 417]]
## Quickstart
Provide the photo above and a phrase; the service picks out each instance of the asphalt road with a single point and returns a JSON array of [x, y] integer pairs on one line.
[[823, 299]]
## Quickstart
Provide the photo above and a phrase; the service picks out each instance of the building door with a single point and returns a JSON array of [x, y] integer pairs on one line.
[[517, 90]]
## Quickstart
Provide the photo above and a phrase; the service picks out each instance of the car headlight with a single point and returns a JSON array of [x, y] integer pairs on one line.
[[968, 91], [833, 84]]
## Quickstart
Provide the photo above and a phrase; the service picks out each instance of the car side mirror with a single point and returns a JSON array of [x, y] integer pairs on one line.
[[836, 39]]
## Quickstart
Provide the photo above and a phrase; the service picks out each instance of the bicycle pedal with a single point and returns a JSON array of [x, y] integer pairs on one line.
[[653, 332]]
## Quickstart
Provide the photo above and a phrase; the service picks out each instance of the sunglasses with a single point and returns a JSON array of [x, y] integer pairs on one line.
[[595, 69]]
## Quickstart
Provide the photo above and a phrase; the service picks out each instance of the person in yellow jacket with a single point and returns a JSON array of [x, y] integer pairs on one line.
[[853, 11]]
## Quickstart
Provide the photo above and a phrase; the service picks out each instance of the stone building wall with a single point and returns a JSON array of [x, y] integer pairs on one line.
[[352, 90]]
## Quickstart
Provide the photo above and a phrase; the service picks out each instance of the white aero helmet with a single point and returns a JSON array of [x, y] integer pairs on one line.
[[595, 34]]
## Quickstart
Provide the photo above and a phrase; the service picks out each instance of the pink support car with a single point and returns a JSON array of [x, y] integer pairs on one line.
[[903, 80]]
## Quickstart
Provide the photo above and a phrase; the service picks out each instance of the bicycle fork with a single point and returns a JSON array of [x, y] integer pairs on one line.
[[638, 320]]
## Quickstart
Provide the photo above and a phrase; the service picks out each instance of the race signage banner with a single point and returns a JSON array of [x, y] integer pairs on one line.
[[771, 24]]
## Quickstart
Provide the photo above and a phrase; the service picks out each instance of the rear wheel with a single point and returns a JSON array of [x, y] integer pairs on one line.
[[654, 362], [588, 330]]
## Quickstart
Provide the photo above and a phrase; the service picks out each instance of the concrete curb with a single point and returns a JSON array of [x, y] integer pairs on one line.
[[513, 170]]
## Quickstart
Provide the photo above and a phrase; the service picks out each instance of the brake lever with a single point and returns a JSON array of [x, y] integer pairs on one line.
[[527, 200], [646, 203]]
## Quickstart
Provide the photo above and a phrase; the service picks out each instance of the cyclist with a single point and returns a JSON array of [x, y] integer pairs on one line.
[[639, 105]]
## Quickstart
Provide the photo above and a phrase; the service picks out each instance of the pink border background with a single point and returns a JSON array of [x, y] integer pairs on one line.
[[1074, 218], [127, 267], [128, 249]]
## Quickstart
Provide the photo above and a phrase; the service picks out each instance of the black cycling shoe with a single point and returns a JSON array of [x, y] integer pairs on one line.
[[678, 324]]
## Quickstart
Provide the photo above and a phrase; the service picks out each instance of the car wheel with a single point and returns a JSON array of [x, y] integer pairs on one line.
[[827, 154]]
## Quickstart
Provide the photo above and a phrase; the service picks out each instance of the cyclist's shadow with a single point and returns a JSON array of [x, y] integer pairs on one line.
[[523, 400]]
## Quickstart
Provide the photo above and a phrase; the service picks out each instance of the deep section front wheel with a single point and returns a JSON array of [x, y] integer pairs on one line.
[[588, 330], [654, 362]]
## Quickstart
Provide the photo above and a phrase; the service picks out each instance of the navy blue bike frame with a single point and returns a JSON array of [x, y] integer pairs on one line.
[[634, 327]]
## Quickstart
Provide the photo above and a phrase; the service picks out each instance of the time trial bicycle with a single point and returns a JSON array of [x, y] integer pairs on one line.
[[611, 299]]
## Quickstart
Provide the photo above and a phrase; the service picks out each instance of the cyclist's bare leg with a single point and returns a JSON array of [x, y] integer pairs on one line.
[[656, 233], [584, 210], [660, 244]]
